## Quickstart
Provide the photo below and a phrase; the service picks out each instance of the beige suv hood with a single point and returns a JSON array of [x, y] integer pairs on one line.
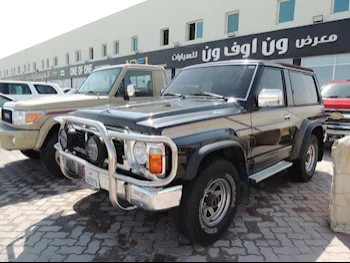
[[57, 102]]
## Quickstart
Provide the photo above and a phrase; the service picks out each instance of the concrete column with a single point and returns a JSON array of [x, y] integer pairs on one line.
[[340, 198]]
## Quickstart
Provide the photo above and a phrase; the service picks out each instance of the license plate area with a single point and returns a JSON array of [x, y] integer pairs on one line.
[[92, 178]]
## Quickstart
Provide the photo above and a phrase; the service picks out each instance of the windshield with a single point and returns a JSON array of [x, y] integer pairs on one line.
[[100, 82], [336, 90], [229, 81]]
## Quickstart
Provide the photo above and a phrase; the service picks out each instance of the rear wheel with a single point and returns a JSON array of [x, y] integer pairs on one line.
[[209, 203], [304, 169], [48, 157], [31, 154]]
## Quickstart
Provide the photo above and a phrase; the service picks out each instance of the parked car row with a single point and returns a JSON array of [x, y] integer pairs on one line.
[[195, 145]]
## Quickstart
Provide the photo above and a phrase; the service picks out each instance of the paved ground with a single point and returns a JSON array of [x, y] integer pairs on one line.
[[45, 219]]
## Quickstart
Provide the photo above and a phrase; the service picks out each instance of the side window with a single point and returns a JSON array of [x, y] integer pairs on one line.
[[142, 80], [19, 89], [304, 89], [272, 80], [43, 89], [2, 89]]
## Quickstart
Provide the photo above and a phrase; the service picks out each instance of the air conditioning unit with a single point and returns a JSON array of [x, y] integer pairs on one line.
[[176, 44], [318, 19], [231, 34]]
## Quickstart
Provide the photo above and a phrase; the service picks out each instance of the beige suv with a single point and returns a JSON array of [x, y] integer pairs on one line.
[[29, 125]]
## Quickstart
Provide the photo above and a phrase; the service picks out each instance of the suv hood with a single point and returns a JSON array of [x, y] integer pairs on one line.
[[156, 115], [57, 102], [336, 104]]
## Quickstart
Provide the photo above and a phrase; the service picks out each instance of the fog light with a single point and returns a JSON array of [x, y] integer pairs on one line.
[[96, 150], [140, 152]]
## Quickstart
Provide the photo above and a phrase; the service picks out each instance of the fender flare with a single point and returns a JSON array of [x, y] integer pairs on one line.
[[198, 156], [302, 138]]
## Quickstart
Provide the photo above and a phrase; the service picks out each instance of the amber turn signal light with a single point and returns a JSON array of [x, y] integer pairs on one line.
[[156, 164]]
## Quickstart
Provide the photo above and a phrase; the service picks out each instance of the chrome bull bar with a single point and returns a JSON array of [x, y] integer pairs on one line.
[[108, 136]]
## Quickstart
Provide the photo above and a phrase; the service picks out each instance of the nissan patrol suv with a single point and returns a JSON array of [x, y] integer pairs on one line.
[[29, 125], [215, 130]]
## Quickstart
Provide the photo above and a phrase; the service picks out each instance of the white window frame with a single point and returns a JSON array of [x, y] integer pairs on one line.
[[55, 61], [333, 5], [279, 10], [103, 50], [76, 56], [226, 21], [162, 37], [132, 43], [115, 47], [195, 33], [91, 53]]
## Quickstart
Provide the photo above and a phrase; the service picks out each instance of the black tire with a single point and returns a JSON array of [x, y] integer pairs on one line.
[[190, 220], [31, 154], [299, 171], [48, 157]]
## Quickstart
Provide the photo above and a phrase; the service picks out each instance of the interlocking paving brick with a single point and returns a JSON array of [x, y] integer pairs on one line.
[[60, 220]]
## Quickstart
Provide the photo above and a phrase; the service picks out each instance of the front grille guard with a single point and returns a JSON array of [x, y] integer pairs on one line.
[[108, 136]]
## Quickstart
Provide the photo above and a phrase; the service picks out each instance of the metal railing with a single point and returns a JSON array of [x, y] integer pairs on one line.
[[108, 136]]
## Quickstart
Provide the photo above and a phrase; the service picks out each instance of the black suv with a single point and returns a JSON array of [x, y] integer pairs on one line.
[[215, 130]]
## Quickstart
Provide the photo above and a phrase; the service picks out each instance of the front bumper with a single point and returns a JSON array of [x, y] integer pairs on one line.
[[149, 195], [338, 130], [14, 139]]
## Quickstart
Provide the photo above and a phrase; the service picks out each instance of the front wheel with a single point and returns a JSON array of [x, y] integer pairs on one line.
[[304, 169], [48, 157], [210, 203]]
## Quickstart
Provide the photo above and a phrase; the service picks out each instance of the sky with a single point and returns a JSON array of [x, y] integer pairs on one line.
[[25, 23]]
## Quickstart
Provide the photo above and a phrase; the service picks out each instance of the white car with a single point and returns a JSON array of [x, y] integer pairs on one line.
[[23, 90]]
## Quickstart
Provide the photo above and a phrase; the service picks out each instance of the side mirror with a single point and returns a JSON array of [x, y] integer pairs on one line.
[[131, 90], [270, 98]]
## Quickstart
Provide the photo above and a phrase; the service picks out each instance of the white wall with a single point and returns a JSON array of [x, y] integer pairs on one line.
[[147, 19]]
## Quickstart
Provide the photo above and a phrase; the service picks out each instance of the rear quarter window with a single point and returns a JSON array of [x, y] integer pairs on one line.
[[17, 89], [45, 89], [305, 91]]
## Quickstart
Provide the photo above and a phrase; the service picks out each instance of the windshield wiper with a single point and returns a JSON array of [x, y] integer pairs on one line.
[[209, 94], [170, 94]]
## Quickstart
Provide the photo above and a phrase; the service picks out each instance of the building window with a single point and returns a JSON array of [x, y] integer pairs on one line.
[[25, 68], [341, 6], [165, 37], [232, 22], [28, 67], [104, 50], [91, 53], [19, 70], [78, 56], [34, 66], [47, 63], [286, 11], [195, 30], [67, 59], [55, 61], [135, 43], [116, 48]]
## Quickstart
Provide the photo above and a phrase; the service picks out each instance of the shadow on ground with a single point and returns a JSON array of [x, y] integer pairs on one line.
[[283, 222]]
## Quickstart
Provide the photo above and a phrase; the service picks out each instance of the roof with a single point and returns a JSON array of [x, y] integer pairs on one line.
[[251, 62], [26, 82], [140, 66]]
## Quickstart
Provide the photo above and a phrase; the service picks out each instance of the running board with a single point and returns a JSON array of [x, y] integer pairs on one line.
[[264, 174]]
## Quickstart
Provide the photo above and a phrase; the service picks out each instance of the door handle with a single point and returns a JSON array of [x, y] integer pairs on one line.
[[287, 117]]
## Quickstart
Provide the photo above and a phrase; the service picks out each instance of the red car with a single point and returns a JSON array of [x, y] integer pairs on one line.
[[336, 97]]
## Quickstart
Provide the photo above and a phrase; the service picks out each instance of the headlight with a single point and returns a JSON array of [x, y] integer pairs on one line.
[[26, 118], [63, 139], [140, 153], [96, 150]]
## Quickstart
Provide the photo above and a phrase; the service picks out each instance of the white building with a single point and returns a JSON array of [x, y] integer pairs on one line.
[[178, 33]]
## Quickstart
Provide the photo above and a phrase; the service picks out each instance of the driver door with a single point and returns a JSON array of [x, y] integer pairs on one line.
[[144, 86]]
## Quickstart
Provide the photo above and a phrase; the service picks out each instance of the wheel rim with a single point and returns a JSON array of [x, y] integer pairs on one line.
[[216, 202], [310, 158]]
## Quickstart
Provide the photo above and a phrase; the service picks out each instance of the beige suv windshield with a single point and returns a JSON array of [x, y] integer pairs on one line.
[[100, 82]]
